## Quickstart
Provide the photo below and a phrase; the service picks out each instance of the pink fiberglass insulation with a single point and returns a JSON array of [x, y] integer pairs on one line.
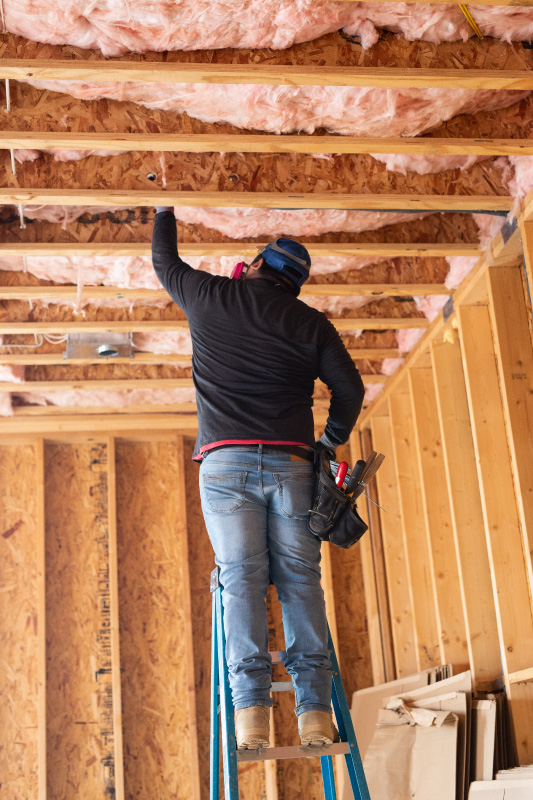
[[489, 226], [241, 223], [425, 164], [15, 374], [520, 181], [460, 266], [137, 272], [431, 304], [372, 390], [116, 27], [407, 338], [63, 155], [349, 110]]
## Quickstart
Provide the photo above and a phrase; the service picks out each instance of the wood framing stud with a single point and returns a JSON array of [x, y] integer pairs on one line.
[[370, 202], [263, 74], [113, 249], [257, 143]]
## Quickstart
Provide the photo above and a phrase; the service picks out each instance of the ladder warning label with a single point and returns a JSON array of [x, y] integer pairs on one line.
[[103, 674]]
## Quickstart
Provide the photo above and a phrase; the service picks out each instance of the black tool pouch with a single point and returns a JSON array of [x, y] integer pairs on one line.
[[333, 517]]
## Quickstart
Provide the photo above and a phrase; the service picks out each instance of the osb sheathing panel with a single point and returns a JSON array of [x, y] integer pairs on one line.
[[209, 172], [75, 746], [152, 624], [18, 622]]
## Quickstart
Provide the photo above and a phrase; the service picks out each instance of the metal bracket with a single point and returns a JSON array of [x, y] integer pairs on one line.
[[447, 309], [508, 229], [214, 583]]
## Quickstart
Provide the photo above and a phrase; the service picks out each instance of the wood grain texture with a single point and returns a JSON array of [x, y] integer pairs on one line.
[[437, 515], [414, 533], [267, 74], [75, 483], [505, 545], [154, 197], [152, 614], [21, 624], [514, 354], [403, 633], [466, 512]]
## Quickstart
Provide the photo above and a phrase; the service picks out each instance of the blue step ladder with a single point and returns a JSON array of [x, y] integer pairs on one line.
[[222, 706]]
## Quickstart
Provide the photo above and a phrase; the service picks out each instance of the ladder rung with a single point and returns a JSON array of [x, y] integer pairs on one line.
[[276, 753], [282, 686], [278, 656]]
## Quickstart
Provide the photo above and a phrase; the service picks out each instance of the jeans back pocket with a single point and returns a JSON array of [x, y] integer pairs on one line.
[[223, 493], [296, 493]]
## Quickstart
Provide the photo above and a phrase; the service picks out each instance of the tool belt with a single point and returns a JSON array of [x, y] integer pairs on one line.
[[333, 516]]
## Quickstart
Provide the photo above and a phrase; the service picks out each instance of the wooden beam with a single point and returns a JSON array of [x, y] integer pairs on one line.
[[506, 557], [96, 385], [56, 359], [526, 230], [186, 607], [514, 354], [262, 74], [443, 567], [114, 619], [151, 326], [403, 633], [466, 512], [258, 143], [371, 202], [106, 423], [141, 408], [41, 621], [64, 294], [378, 560], [414, 532], [113, 249], [369, 582], [125, 383]]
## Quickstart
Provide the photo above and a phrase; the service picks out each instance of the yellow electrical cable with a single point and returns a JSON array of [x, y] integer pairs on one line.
[[471, 21]]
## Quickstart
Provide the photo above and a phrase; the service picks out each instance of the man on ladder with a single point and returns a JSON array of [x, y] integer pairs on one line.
[[257, 351]]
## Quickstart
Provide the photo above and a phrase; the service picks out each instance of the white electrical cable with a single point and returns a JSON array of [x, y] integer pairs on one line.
[[4, 29], [25, 263], [8, 97], [13, 162], [21, 215]]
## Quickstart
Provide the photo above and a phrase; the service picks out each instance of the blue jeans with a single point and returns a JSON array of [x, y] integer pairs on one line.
[[255, 508]]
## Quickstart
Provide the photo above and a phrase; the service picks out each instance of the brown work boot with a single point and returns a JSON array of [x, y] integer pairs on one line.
[[316, 729], [252, 727]]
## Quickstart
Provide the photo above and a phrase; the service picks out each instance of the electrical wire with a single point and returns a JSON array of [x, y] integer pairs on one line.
[[471, 21]]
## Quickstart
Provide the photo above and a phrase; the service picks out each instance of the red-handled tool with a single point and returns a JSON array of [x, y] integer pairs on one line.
[[342, 471]]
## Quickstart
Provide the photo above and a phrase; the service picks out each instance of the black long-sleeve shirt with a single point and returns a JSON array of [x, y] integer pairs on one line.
[[257, 351]]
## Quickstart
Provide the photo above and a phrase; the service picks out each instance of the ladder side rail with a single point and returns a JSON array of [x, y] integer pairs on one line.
[[328, 778], [214, 753], [346, 729], [229, 744]]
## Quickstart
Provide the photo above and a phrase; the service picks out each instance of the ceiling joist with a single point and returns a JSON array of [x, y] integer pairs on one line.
[[216, 249], [167, 326], [277, 200], [57, 359], [64, 294], [257, 143], [264, 74]]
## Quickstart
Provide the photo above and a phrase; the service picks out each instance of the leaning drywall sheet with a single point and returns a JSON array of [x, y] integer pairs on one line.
[[408, 759], [461, 683], [483, 739], [501, 790]]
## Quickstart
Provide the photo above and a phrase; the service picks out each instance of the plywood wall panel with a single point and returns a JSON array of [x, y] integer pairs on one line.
[[19, 528], [76, 746], [152, 640]]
